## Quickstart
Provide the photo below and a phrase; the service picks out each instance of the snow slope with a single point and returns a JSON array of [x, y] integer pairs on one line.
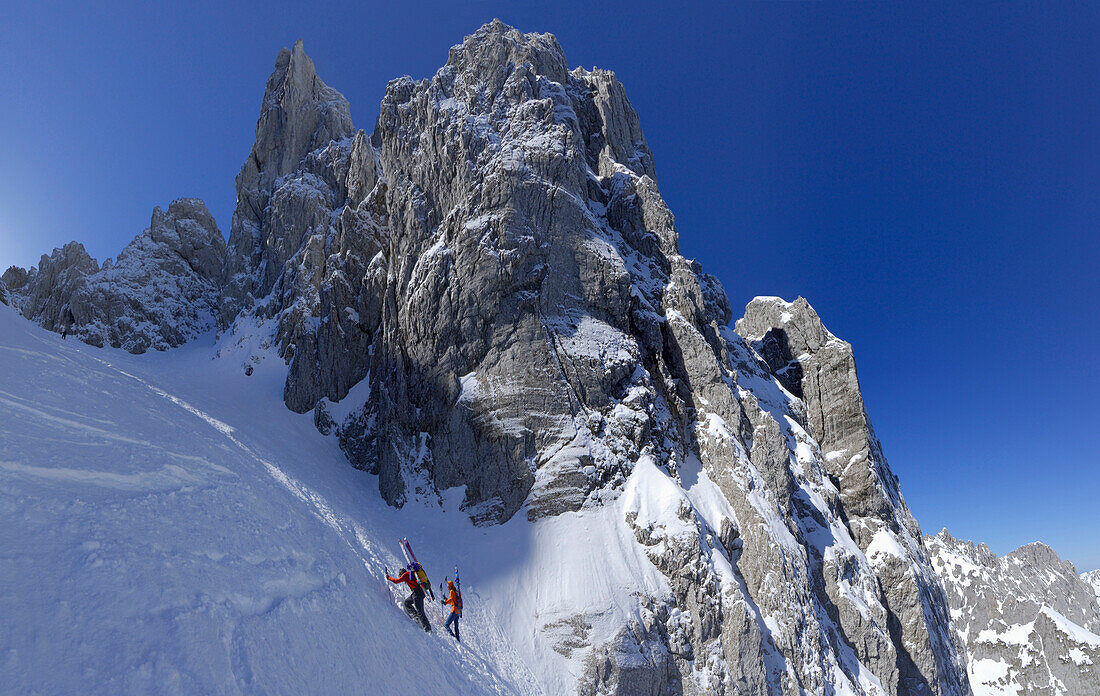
[[168, 526]]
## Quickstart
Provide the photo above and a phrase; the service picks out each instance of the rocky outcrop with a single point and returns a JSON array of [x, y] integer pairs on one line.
[[635, 662], [1092, 579], [15, 278], [820, 369], [43, 294], [160, 292], [305, 234], [1030, 623]]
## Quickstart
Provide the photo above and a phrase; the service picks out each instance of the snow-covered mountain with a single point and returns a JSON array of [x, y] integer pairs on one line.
[[482, 306], [1031, 625], [160, 292], [1092, 578]]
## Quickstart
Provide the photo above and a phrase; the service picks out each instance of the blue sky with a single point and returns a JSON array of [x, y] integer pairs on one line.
[[928, 176]]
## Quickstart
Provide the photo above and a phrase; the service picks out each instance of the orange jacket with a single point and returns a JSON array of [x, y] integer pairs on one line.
[[452, 599]]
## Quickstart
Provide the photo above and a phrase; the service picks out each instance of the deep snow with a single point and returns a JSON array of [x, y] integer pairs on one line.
[[168, 526]]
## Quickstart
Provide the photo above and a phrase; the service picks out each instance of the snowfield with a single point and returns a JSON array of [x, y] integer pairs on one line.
[[168, 526]]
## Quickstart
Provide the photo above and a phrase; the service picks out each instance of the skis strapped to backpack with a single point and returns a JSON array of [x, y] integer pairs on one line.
[[418, 570], [458, 593]]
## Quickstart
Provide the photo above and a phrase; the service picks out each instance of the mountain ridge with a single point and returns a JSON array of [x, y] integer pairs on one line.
[[1029, 621]]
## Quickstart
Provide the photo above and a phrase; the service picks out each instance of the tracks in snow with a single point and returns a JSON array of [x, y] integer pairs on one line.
[[480, 665]]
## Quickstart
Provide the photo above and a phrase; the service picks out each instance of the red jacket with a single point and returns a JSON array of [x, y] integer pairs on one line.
[[407, 578]]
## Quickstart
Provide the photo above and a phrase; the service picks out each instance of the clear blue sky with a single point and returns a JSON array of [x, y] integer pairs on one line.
[[927, 176]]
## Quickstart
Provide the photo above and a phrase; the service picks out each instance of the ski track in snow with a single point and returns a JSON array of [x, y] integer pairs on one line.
[[320, 508]]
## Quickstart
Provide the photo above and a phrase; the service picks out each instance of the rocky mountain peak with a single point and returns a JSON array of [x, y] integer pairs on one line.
[[187, 229], [785, 331], [71, 256], [14, 278], [299, 113], [820, 369], [1039, 554], [1030, 624], [43, 293], [300, 158], [487, 60], [162, 289]]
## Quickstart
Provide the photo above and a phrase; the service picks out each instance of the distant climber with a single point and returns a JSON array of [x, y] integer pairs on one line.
[[414, 605], [454, 599]]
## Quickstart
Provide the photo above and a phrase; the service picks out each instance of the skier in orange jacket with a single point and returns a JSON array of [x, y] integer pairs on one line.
[[455, 600]]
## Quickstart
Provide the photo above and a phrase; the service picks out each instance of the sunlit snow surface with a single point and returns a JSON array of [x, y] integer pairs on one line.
[[168, 526]]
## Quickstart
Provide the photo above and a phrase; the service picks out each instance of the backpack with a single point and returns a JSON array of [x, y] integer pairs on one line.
[[417, 573]]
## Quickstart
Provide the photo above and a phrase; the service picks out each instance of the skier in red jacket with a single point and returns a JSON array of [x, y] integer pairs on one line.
[[414, 605]]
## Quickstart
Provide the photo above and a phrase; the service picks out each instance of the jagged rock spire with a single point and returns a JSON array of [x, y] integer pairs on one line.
[[45, 292], [299, 115]]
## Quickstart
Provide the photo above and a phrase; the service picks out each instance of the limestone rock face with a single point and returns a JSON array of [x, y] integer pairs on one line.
[[43, 294], [507, 318], [160, 292], [816, 367], [304, 234], [1030, 623], [820, 369], [1092, 579]]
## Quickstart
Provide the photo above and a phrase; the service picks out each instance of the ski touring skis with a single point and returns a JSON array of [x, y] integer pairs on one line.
[[421, 576], [458, 589]]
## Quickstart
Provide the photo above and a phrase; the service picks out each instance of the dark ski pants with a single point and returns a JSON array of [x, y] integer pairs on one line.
[[414, 606], [452, 619]]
